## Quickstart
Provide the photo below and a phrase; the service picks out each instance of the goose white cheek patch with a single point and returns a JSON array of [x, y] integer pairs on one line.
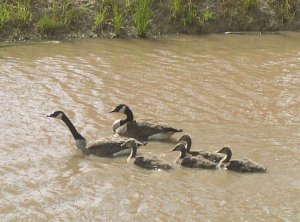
[[59, 116], [122, 110]]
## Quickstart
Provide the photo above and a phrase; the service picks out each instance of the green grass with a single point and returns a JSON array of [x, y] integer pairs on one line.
[[16, 15], [58, 16], [100, 19], [176, 7], [48, 25], [118, 19], [191, 15], [250, 4], [70, 17], [69, 14], [6, 14], [207, 16], [286, 14], [142, 17], [23, 13]]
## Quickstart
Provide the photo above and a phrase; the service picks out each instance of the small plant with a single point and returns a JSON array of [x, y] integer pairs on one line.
[[23, 14], [142, 16], [207, 16], [69, 17], [285, 12], [69, 14], [6, 14], [250, 4], [191, 15], [177, 8], [48, 25], [100, 18], [63, 14], [118, 19], [128, 3]]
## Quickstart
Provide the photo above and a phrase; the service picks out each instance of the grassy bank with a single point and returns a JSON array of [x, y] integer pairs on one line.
[[68, 19]]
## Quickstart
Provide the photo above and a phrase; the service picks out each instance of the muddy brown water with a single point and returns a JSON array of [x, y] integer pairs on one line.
[[242, 91]]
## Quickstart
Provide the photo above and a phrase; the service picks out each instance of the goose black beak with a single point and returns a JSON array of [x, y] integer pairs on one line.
[[49, 115], [113, 111]]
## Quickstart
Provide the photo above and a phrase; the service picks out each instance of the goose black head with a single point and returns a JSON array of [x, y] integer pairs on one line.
[[57, 115], [122, 108], [179, 147], [225, 150]]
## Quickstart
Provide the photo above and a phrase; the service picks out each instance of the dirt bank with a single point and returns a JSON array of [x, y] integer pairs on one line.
[[66, 19]]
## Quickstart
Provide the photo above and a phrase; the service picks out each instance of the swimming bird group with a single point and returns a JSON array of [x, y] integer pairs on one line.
[[130, 134]]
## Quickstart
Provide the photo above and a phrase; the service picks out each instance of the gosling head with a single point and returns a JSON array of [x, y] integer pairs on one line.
[[184, 138], [130, 143], [57, 115], [122, 108], [225, 150]]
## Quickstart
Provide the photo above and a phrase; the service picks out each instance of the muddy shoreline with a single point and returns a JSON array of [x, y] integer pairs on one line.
[[77, 19]]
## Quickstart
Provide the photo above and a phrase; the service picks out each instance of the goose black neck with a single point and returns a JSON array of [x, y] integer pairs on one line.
[[228, 156], [133, 152], [72, 128], [129, 116], [182, 153], [188, 144]]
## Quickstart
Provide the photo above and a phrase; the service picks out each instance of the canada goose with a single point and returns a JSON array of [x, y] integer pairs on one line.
[[192, 161], [103, 147], [140, 129], [149, 163], [212, 156], [245, 165]]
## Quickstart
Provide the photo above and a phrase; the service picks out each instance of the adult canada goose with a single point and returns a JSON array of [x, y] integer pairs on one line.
[[149, 163], [140, 129], [103, 147], [212, 156], [192, 161], [245, 165]]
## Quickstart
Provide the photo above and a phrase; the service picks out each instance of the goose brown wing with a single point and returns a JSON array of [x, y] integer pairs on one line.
[[142, 129], [107, 146]]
